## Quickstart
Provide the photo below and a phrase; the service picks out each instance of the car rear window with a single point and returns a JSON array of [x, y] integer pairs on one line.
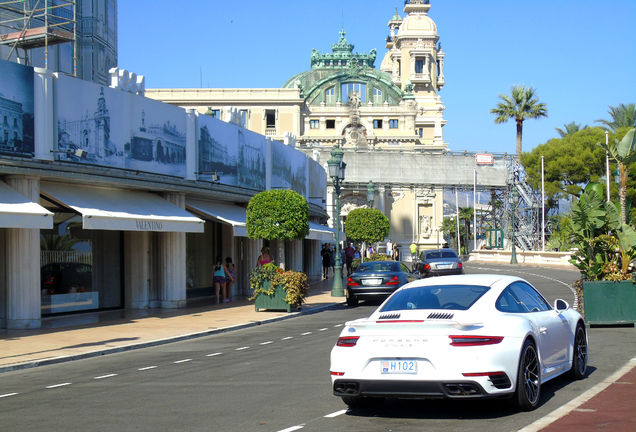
[[388, 266], [440, 254], [451, 297]]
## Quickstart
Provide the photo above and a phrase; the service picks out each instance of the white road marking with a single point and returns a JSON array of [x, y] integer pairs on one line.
[[578, 401], [585, 410], [266, 343], [213, 354], [336, 414], [105, 376], [292, 429], [305, 334], [182, 361], [146, 368], [242, 348], [323, 329], [287, 338], [8, 394], [58, 385], [338, 325]]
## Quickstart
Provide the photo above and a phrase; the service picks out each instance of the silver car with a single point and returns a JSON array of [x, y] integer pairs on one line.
[[439, 262]]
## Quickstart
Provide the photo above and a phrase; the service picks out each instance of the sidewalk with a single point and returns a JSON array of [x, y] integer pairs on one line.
[[85, 335]]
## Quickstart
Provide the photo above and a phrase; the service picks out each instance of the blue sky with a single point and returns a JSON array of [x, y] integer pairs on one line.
[[580, 55]]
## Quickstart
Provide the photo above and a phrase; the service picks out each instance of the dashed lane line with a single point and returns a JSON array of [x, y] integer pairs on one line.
[[182, 361], [241, 348], [8, 394], [146, 368], [292, 429], [214, 354], [287, 338], [58, 385], [323, 329], [105, 376], [266, 343], [336, 414], [305, 334]]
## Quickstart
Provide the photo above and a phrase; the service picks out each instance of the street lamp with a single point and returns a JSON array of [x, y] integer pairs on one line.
[[370, 193], [337, 173]]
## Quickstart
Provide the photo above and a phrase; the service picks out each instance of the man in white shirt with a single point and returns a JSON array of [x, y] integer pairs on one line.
[[389, 248]]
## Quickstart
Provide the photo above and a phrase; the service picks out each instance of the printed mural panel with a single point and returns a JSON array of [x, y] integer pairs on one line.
[[288, 168], [236, 155], [317, 182], [16, 109], [103, 126]]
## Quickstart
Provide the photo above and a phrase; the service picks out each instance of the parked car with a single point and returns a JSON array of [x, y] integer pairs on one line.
[[63, 278], [376, 279], [439, 262], [465, 336]]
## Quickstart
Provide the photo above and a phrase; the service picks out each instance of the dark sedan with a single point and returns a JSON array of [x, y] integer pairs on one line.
[[375, 279], [439, 262]]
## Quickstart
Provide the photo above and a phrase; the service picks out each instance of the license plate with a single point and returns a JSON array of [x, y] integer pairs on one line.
[[444, 266], [371, 281], [399, 367]]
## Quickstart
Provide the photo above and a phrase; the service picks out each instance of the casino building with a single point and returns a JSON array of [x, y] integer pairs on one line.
[[387, 120]]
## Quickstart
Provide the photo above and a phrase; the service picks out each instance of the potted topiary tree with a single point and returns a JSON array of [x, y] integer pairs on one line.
[[277, 215]]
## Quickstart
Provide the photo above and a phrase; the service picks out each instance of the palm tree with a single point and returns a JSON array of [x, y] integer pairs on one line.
[[449, 227], [624, 153], [569, 129], [622, 116], [466, 215], [521, 105]]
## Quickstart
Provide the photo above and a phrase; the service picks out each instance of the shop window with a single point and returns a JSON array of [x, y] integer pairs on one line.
[[314, 124], [216, 113], [330, 124], [79, 269], [393, 124], [377, 124]]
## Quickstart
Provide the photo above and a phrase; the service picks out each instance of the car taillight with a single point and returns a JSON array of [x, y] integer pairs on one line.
[[427, 266], [347, 341], [393, 281], [464, 340], [459, 265], [336, 373], [478, 374], [352, 282]]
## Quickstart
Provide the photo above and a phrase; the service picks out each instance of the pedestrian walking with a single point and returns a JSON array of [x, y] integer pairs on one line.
[[395, 254], [326, 260], [229, 283], [389, 248], [413, 250], [348, 252], [219, 278]]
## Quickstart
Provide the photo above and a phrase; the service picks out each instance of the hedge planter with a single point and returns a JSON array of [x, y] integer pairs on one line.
[[273, 302], [608, 302]]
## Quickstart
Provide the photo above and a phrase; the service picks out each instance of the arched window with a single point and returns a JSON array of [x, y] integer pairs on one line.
[[350, 87], [377, 96], [330, 96]]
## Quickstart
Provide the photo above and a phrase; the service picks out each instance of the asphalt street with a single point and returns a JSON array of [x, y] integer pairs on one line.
[[273, 377]]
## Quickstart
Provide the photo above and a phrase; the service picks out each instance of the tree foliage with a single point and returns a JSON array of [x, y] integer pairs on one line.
[[522, 104], [277, 214], [622, 116], [569, 163], [367, 225]]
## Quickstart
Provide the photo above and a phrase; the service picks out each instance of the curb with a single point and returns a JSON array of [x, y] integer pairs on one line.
[[164, 341]]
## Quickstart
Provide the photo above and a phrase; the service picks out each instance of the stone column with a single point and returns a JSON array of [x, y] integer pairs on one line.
[[173, 262], [23, 296], [381, 196], [137, 269]]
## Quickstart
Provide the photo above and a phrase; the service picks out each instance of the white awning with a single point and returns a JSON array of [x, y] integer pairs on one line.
[[18, 211], [320, 232], [226, 213], [122, 210]]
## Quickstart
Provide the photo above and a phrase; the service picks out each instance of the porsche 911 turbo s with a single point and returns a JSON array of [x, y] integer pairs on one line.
[[464, 336]]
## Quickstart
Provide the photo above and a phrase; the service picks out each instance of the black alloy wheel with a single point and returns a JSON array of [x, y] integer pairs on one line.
[[579, 354], [528, 378]]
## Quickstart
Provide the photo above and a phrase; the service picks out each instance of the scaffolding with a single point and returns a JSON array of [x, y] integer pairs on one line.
[[28, 24]]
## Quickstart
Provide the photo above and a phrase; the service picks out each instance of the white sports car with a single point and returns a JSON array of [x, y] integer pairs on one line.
[[465, 336]]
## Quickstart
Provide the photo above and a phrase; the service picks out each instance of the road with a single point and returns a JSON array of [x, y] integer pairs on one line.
[[267, 378]]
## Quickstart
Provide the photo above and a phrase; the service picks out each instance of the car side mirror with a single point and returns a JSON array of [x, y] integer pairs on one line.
[[561, 305]]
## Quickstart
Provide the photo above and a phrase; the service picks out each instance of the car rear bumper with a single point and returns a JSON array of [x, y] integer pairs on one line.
[[444, 272], [367, 292], [410, 389]]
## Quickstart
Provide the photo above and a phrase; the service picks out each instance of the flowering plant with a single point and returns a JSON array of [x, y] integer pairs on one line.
[[294, 283]]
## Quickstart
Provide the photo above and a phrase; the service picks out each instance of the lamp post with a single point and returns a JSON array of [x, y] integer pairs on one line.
[[370, 193], [337, 174], [513, 196]]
